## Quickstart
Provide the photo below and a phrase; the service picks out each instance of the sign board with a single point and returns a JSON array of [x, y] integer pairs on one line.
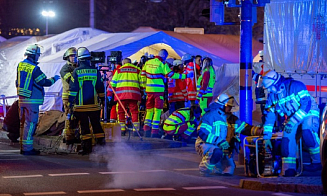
[[189, 30]]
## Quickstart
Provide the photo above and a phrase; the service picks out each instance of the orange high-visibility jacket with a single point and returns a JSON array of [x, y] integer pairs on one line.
[[190, 83], [126, 82]]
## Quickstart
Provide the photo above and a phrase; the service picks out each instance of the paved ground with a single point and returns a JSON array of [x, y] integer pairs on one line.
[[306, 183]]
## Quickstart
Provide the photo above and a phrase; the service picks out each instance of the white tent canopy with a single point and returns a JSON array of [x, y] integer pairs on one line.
[[12, 52], [2, 39]]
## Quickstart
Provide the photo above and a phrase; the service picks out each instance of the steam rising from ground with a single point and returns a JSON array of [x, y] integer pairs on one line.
[[139, 167]]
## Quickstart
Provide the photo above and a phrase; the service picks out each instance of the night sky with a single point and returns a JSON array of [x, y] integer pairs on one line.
[[119, 15], [27, 14]]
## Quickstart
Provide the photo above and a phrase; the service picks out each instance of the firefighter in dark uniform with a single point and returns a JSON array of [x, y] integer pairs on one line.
[[66, 72], [29, 83], [85, 89]]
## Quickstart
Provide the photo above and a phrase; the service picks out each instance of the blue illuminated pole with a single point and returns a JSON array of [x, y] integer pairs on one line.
[[246, 102]]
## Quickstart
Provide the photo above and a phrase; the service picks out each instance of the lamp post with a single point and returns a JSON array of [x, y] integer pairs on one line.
[[47, 14]]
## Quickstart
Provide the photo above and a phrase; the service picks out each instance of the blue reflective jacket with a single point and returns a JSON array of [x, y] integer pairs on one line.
[[213, 128], [294, 101], [30, 81], [85, 88]]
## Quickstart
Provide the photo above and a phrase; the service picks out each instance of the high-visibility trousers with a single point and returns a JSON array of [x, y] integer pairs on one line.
[[29, 116], [133, 110], [154, 105], [204, 103]]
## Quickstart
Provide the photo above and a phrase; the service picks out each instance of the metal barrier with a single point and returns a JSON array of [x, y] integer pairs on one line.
[[4, 104]]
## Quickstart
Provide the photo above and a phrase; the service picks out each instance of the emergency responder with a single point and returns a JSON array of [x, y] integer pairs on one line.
[[183, 121], [112, 103], [290, 98], [176, 89], [71, 125], [205, 84], [29, 83], [153, 74], [211, 140], [126, 83], [85, 89], [198, 63], [190, 82], [260, 95], [235, 127]]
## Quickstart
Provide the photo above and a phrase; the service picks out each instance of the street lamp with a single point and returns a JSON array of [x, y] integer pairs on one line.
[[47, 14]]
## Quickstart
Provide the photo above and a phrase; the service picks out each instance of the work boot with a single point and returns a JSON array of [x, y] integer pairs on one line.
[[312, 167], [86, 147], [30, 152], [100, 141], [155, 135], [290, 173], [208, 173]]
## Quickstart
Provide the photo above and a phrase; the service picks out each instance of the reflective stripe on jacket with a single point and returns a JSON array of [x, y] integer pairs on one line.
[[86, 88], [176, 90], [177, 119], [154, 73], [206, 82], [294, 101], [213, 127], [66, 75], [30, 81], [190, 83], [126, 82]]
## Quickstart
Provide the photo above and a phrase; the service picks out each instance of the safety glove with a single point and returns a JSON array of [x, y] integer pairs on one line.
[[237, 137], [70, 111], [267, 136], [56, 77], [190, 75], [197, 101], [268, 144], [223, 145], [289, 126], [109, 98]]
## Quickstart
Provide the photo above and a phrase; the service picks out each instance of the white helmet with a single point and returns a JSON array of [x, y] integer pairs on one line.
[[177, 62], [83, 53], [261, 53], [270, 78], [226, 100], [33, 49], [170, 61]]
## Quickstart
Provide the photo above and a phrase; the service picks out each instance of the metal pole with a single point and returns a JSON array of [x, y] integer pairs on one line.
[[92, 13], [46, 25], [246, 102]]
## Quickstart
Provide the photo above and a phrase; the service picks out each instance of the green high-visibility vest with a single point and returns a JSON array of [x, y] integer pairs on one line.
[[207, 92]]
